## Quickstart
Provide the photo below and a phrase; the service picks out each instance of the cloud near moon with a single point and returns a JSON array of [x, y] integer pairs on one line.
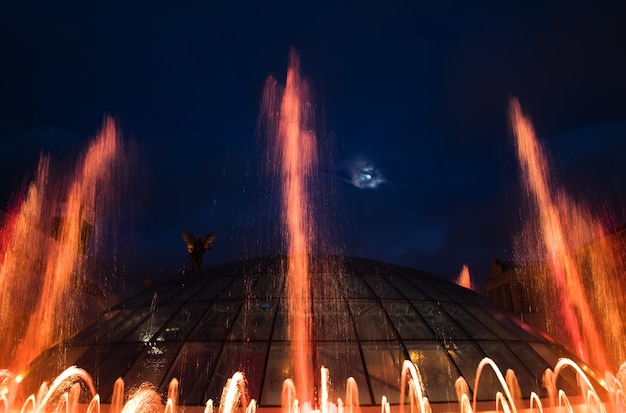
[[361, 173]]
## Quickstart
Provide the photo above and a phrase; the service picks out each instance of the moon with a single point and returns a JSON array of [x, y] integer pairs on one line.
[[362, 173]]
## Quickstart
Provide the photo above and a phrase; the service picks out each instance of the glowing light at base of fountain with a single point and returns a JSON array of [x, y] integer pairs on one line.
[[73, 389]]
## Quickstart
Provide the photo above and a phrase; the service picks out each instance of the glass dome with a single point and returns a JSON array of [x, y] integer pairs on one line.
[[369, 317]]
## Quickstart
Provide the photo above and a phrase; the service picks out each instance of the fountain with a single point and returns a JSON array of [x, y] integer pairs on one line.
[[321, 313], [464, 279], [573, 262], [294, 145], [48, 243]]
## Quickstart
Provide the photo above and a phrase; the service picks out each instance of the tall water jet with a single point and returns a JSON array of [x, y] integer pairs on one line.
[[576, 272], [48, 241], [291, 126]]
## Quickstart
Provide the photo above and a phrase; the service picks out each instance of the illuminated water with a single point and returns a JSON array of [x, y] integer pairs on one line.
[[579, 288], [48, 241], [294, 148], [73, 391], [464, 279]]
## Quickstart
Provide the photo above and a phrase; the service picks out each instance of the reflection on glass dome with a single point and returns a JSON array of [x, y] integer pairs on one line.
[[368, 318]]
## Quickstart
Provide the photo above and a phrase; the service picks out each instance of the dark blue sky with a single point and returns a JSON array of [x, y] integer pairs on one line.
[[417, 91]]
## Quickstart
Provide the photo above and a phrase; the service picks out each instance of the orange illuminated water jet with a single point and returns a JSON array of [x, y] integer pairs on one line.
[[464, 279], [47, 242], [295, 146], [581, 272]]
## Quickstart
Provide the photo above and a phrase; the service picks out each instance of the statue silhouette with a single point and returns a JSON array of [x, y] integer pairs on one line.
[[198, 246]]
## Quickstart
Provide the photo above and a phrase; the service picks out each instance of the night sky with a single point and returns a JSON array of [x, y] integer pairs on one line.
[[413, 93]]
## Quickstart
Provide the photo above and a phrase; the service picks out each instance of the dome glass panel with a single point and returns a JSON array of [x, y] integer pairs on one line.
[[367, 316]]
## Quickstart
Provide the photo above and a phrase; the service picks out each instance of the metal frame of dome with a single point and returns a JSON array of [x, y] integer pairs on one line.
[[369, 317]]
